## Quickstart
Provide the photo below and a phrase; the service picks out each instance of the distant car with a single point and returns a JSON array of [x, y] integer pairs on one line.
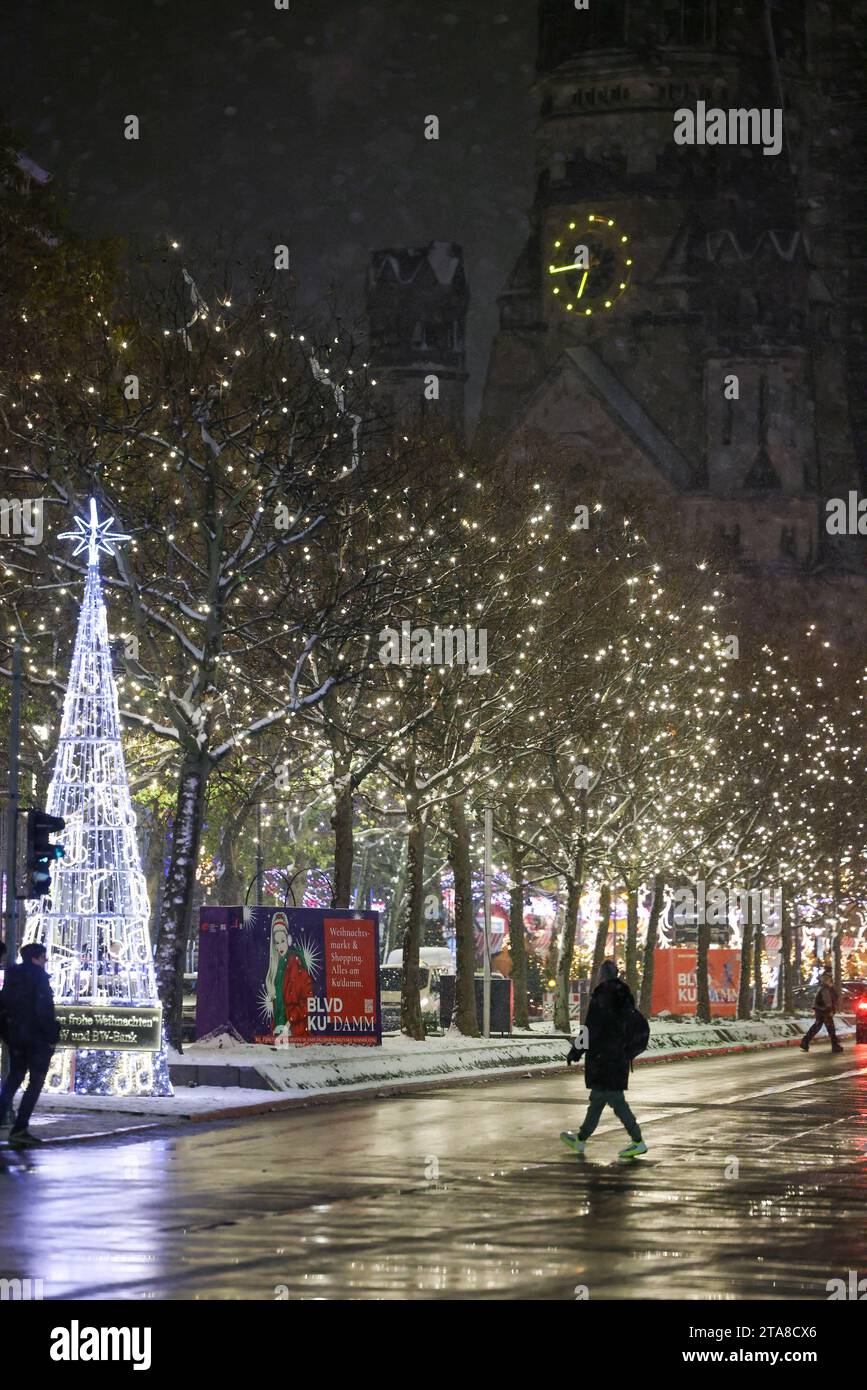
[[391, 980], [440, 957], [188, 1008], [852, 992]]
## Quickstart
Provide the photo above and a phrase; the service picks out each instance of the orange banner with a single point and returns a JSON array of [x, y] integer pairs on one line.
[[674, 980]]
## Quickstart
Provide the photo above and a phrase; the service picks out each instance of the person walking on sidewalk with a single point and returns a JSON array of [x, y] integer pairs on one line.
[[607, 1061], [30, 1031], [825, 1006]]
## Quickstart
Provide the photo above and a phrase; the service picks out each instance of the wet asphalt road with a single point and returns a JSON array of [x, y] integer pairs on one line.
[[754, 1187]]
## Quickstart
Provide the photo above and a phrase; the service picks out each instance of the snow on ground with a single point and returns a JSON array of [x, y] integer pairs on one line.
[[318, 1067], [223, 1076], [188, 1102]]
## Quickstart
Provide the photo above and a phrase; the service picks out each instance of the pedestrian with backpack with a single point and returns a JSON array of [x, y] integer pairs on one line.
[[615, 1033]]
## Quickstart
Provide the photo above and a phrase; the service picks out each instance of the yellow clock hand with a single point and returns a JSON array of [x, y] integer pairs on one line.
[[557, 269]]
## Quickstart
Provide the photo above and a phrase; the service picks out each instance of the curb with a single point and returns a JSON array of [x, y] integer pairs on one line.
[[429, 1083], [120, 1132], [406, 1087], [719, 1051], [727, 1051]]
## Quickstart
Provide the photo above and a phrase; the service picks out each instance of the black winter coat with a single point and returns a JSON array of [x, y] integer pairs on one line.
[[606, 1065], [27, 1006]]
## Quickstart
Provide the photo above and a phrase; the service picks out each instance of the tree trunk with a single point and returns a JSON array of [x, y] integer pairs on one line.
[[702, 990], [396, 906], [601, 932], [464, 1018], [549, 969], [786, 987], [656, 905], [410, 997], [155, 871], [758, 992], [562, 1020], [838, 933], [180, 886], [342, 825], [230, 890], [362, 892], [838, 957], [632, 939], [744, 1009], [517, 936]]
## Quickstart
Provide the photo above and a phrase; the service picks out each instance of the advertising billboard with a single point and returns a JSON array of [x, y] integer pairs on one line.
[[674, 987], [289, 975]]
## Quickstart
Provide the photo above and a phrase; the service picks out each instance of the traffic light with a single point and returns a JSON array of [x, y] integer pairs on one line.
[[41, 853]]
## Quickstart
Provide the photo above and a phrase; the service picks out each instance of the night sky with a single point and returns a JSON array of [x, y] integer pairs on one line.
[[302, 126]]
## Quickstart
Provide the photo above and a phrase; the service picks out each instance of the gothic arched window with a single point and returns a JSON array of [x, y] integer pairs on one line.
[[689, 23], [565, 32]]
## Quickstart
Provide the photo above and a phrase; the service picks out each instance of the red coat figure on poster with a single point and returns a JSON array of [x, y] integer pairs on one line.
[[289, 984], [297, 989]]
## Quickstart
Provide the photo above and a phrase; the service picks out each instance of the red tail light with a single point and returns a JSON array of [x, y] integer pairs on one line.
[[861, 1006]]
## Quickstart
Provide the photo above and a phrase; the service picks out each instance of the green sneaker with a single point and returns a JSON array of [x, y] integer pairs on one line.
[[633, 1150], [23, 1139], [571, 1140]]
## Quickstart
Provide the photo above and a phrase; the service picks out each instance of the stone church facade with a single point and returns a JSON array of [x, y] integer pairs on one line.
[[686, 320], [417, 301]]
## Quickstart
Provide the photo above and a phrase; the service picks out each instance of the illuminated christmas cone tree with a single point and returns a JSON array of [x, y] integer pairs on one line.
[[94, 920]]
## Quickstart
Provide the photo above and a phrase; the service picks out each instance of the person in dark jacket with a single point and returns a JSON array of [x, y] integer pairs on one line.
[[30, 1031], [826, 1005], [606, 1064]]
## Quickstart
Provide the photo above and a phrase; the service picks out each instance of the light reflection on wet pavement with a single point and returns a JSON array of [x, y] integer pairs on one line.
[[754, 1187]]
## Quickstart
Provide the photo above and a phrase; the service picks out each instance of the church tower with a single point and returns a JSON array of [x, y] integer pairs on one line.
[[417, 301], [687, 317]]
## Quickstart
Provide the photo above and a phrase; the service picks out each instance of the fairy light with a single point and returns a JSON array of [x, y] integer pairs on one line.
[[739, 737], [94, 921]]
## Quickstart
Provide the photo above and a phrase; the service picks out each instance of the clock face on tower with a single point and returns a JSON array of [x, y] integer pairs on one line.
[[589, 264]]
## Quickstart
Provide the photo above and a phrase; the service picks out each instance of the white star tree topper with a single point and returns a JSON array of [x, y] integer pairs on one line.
[[93, 535]]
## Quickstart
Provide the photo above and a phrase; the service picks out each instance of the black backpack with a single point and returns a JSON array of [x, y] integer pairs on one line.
[[637, 1033]]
